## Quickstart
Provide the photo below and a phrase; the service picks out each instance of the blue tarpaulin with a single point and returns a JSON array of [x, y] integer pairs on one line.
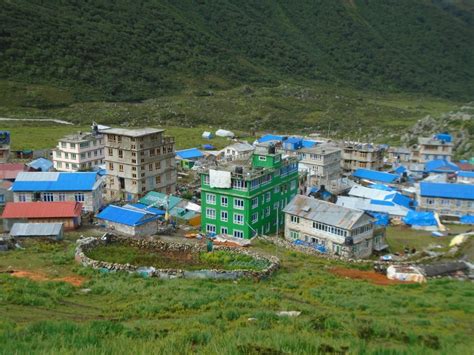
[[415, 218], [208, 147], [444, 137], [467, 219], [381, 219]]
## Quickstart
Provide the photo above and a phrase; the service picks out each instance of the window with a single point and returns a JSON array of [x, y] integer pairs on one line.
[[255, 202], [79, 197], [430, 201], [58, 154], [121, 168], [157, 165], [238, 234], [111, 166], [61, 196], [276, 189], [210, 228], [158, 180], [211, 213], [211, 199], [120, 153], [150, 167], [224, 201], [295, 219], [110, 152], [22, 197], [238, 184], [268, 196], [262, 158], [294, 234], [84, 145], [2, 198], [239, 203], [224, 216], [255, 217], [224, 230], [238, 218], [275, 206], [63, 145], [48, 197], [206, 180], [72, 145], [293, 185], [267, 211]]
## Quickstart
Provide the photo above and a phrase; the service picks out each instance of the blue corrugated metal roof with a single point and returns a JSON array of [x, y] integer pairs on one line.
[[440, 165], [446, 190], [375, 175], [308, 144], [381, 187], [125, 216], [444, 137], [41, 164], [403, 200], [270, 137], [400, 170], [36, 181], [151, 209], [192, 153], [469, 174]]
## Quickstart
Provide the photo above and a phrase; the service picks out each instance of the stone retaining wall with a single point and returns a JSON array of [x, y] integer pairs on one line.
[[87, 244]]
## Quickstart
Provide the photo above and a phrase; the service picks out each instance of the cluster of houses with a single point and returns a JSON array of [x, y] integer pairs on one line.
[[336, 197]]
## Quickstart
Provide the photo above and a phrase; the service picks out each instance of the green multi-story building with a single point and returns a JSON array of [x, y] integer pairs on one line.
[[243, 200]]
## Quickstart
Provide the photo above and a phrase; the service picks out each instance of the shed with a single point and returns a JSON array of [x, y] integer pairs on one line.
[[440, 166], [129, 221], [41, 164], [225, 133], [207, 135], [43, 230]]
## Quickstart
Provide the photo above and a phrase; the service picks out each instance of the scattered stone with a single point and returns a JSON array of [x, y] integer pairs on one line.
[[288, 313]]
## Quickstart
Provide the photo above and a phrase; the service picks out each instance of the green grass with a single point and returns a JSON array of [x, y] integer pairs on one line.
[[124, 313], [399, 237], [124, 254]]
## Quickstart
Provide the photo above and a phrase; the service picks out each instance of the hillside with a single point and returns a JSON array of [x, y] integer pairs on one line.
[[129, 51]]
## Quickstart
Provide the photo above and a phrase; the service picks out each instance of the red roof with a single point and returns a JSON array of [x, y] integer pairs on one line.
[[42, 209], [9, 171], [465, 166]]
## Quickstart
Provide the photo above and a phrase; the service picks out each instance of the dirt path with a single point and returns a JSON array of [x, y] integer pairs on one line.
[[36, 119], [38, 276], [371, 276]]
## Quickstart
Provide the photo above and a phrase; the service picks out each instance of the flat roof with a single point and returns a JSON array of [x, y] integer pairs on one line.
[[132, 132], [80, 137], [321, 149]]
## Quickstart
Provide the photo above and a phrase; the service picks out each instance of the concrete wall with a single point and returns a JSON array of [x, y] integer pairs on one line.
[[446, 207], [92, 199]]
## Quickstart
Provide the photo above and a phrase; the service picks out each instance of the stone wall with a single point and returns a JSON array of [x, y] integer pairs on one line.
[[87, 244]]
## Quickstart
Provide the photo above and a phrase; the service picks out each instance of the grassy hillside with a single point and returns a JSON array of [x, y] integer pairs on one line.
[[121, 313], [129, 51]]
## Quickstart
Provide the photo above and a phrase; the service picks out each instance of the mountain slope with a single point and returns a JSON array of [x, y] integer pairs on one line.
[[134, 50]]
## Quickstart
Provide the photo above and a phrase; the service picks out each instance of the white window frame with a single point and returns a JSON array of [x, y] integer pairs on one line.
[[268, 196], [79, 197], [211, 213], [255, 217], [226, 218], [255, 202], [262, 158], [238, 218], [236, 231], [238, 207], [210, 199], [47, 197], [224, 230], [294, 219], [226, 199], [209, 227]]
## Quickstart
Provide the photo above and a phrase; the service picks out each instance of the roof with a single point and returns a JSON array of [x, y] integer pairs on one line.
[[320, 149], [465, 166], [446, 190], [375, 175], [308, 143], [434, 140], [36, 229], [322, 211], [468, 174], [132, 132], [401, 150], [191, 153], [80, 137], [241, 147], [41, 164], [141, 206], [54, 181], [42, 209], [159, 199], [127, 216], [440, 165], [5, 184], [379, 206], [270, 137], [10, 171]]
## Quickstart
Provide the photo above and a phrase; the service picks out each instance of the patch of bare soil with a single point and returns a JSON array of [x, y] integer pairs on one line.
[[38, 276], [371, 276]]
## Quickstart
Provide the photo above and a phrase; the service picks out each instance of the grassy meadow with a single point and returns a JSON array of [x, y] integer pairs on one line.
[[122, 313]]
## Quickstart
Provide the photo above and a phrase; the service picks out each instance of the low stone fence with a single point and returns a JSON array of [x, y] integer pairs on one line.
[[87, 244]]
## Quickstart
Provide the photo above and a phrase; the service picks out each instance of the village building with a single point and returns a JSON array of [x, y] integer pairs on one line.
[[4, 146], [40, 164], [242, 199], [446, 199], [466, 177], [357, 155], [399, 155], [321, 163], [79, 152], [331, 229], [67, 213], [440, 166], [376, 176], [439, 146], [9, 171], [84, 187], [238, 151], [38, 230], [138, 161], [186, 158], [129, 221], [6, 194]]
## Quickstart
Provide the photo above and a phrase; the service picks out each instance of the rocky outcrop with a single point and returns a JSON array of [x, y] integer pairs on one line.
[[86, 245]]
